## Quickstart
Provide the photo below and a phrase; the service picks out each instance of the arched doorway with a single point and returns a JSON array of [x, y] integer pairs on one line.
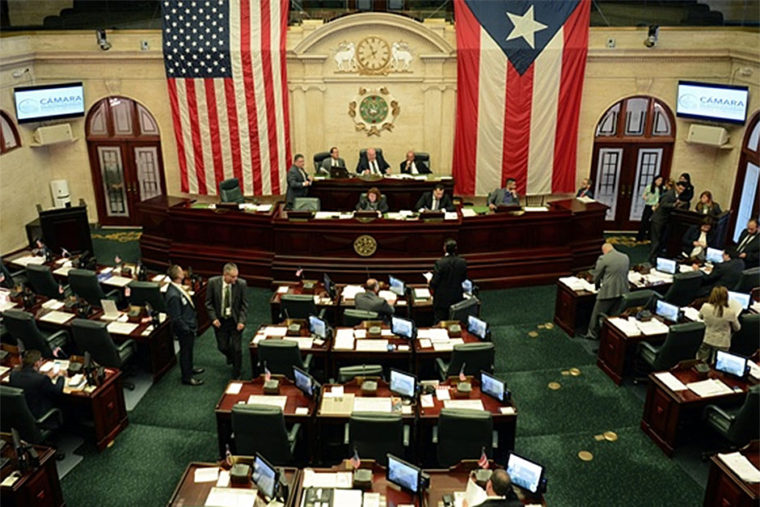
[[633, 143], [747, 185], [125, 158], [9, 138]]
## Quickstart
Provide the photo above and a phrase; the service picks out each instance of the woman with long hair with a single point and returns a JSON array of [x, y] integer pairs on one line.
[[720, 320], [706, 205], [651, 197]]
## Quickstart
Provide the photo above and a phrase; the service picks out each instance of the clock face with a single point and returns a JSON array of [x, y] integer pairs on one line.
[[373, 109], [373, 53]]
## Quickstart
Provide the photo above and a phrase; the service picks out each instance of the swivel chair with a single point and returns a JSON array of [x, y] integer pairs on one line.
[[353, 317], [375, 434], [747, 339], [93, 337], [42, 281], [147, 292], [422, 158], [685, 286], [297, 306], [16, 414], [262, 429], [645, 297], [307, 204], [280, 356], [738, 425], [84, 283], [22, 326], [229, 191], [318, 158], [348, 373], [681, 343], [463, 434], [474, 356], [463, 309], [749, 279]]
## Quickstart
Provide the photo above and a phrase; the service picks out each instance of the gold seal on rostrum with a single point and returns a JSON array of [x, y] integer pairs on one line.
[[585, 456], [365, 245], [554, 385]]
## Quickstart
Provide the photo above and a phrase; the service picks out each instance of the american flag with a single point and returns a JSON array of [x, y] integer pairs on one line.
[[267, 373], [225, 68], [462, 376], [520, 67], [355, 460], [483, 461]]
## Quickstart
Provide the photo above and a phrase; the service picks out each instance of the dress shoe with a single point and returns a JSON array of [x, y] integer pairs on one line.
[[198, 371], [193, 382]]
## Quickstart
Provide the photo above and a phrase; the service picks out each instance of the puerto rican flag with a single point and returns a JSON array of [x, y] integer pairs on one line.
[[520, 68]]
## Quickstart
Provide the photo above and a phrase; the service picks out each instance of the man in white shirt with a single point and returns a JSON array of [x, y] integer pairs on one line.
[[499, 492]]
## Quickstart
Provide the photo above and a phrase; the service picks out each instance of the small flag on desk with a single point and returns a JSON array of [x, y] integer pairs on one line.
[[299, 272], [462, 376], [355, 460], [267, 373], [117, 260], [228, 455], [66, 253], [483, 461]]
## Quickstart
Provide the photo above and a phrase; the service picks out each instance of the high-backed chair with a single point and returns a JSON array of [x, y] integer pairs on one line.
[[42, 281], [739, 425], [463, 309], [749, 280], [92, 336], [280, 356], [684, 288], [307, 204], [297, 306], [463, 434], [645, 297], [318, 158], [8, 276], [84, 283], [22, 326], [353, 317], [261, 428], [747, 340], [348, 373], [474, 356], [229, 191], [363, 153], [681, 343], [16, 414], [147, 292], [375, 434], [422, 158]]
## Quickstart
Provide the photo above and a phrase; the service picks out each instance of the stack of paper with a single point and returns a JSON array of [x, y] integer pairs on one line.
[[535, 208], [450, 215], [670, 381], [389, 296], [266, 399], [741, 466], [628, 327], [160, 278], [57, 317], [372, 404], [53, 304], [231, 497], [468, 404], [350, 291], [341, 480], [117, 281], [344, 340], [691, 313], [63, 270], [7, 305], [372, 345], [28, 259], [709, 387], [422, 293], [652, 327], [303, 343], [468, 212], [275, 331], [326, 215], [121, 327]]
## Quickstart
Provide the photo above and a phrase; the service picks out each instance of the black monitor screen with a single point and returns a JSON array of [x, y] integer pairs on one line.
[[304, 381], [403, 384], [264, 476], [397, 286], [492, 386], [524, 473], [403, 474], [329, 287], [730, 363], [317, 327], [477, 327], [402, 327]]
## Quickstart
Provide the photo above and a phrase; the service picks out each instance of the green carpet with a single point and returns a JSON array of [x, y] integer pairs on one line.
[[174, 425]]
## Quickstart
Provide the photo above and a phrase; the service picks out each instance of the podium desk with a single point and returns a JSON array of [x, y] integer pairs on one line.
[[725, 487], [188, 492], [617, 350], [295, 400], [320, 351], [38, 486], [572, 309], [670, 415]]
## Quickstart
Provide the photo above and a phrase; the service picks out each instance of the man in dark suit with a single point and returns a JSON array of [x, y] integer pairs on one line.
[[696, 240], [448, 274], [370, 301], [333, 160], [437, 200], [726, 273], [181, 309], [298, 181], [227, 306], [585, 190], [372, 163], [499, 490], [611, 279], [412, 165], [40, 391], [506, 196], [660, 220], [748, 246]]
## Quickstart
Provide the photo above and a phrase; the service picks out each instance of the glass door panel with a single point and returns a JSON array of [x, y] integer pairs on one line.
[[148, 172], [647, 167], [608, 179], [111, 169], [748, 196]]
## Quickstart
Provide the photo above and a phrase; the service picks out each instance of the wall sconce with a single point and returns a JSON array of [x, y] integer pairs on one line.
[[652, 35]]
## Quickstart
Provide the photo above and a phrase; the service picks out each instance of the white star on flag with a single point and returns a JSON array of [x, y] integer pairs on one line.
[[525, 26]]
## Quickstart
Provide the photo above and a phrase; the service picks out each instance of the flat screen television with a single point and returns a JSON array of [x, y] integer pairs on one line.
[[48, 102], [712, 102]]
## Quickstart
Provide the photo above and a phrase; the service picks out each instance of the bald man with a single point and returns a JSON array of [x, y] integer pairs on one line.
[[370, 301], [372, 164], [500, 492], [611, 279]]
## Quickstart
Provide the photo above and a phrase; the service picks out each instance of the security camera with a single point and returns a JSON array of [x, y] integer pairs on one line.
[[652, 35], [102, 41]]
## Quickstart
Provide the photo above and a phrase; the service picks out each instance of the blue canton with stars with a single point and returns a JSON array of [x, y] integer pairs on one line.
[[493, 16], [196, 38]]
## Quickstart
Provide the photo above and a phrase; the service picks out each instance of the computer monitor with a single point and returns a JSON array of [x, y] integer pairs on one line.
[[477, 327], [403, 384], [525, 473], [493, 387], [714, 255], [731, 363], [666, 265], [403, 474], [329, 285], [403, 327], [397, 286], [317, 327], [667, 311], [305, 382], [467, 286], [742, 299], [265, 476]]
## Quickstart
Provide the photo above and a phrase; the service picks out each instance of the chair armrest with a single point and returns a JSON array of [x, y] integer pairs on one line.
[[407, 432], [322, 313], [718, 410], [307, 361], [443, 368], [20, 272], [346, 434], [495, 439], [128, 344], [293, 433], [649, 347], [435, 434], [53, 412], [58, 334], [113, 294]]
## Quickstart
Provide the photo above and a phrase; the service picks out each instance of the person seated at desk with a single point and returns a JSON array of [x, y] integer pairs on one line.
[[41, 391], [332, 161], [298, 181], [506, 196], [748, 246], [727, 273], [372, 201], [370, 301], [585, 190], [499, 491], [696, 240], [372, 164], [413, 166], [706, 206], [720, 319], [437, 200]]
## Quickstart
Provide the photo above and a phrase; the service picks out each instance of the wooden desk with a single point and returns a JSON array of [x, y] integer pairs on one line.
[[39, 486], [399, 353], [424, 357], [296, 399], [668, 414], [724, 487], [325, 303], [188, 492], [572, 309], [617, 350], [320, 352]]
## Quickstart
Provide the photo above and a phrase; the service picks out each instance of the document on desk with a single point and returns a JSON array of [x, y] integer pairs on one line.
[[266, 399], [263, 208], [443, 346], [360, 334], [628, 327], [303, 343], [474, 494], [469, 212], [28, 259], [160, 278], [57, 317], [535, 208], [117, 281], [63, 270], [652, 327], [442, 393], [754, 370], [234, 388], [389, 296], [121, 327], [206, 474], [425, 343], [350, 291], [7, 305], [741, 466], [709, 387], [691, 313], [339, 480], [53, 304], [426, 400], [3, 370], [344, 341], [372, 345], [337, 405], [283, 289], [372, 404], [231, 497], [275, 331], [422, 293], [450, 215], [468, 404], [670, 381]]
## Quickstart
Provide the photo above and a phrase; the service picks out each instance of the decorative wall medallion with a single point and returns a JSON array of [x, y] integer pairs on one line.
[[374, 110], [373, 56], [365, 245]]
